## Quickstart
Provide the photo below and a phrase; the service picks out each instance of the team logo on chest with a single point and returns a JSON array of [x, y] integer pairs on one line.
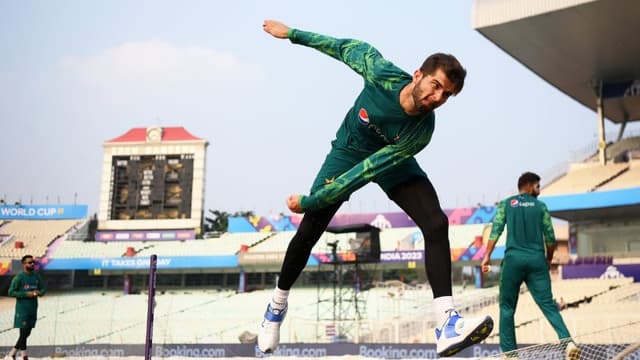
[[363, 116]]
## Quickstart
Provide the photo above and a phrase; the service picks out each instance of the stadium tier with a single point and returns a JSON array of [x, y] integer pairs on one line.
[[628, 179], [597, 309], [32, 236], [585, 177], [227, 244]]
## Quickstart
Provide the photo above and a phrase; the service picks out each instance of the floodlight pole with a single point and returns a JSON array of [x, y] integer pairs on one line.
[[602, 142]]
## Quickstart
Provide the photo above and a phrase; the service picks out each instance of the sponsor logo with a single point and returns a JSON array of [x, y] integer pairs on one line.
[[633, 89], [81, 351], [392, 352], [381, 222], [516, 203], [189, 351], [296, 351], [612, 273], [363, 116]]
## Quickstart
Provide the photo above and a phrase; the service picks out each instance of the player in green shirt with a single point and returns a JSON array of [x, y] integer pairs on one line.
[[529, 251], [26, 287], [390, 121]]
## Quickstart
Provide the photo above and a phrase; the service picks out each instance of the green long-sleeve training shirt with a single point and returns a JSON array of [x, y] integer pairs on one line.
[[26, 307], [376, 125], [528, 223]]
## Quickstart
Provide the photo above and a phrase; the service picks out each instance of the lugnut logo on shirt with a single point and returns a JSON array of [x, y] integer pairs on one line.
[[363, 116]]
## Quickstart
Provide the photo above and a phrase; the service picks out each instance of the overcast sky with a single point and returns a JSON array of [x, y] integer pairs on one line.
[[74, 74]]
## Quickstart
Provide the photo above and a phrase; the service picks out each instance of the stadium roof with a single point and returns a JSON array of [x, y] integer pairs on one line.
[[168, 134], [574, 45], [599, 205]]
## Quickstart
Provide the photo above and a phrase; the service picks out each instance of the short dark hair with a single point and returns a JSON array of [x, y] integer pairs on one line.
[[449, 65], [24, 258], [527, 178]]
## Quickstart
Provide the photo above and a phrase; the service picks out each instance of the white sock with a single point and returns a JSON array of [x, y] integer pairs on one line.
[[23, 353], [442, 305], [279, 299]]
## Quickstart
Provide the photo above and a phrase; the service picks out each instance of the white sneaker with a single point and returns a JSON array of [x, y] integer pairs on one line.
[[458, 333], [573, 352], [269, 335]]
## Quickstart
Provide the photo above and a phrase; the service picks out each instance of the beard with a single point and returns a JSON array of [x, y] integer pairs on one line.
[[417, 100]]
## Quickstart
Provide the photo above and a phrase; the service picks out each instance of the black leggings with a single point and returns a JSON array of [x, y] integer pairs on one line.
[[418, 199], [22, 340]]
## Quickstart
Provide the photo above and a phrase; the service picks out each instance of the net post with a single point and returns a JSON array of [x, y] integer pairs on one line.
[[150, 305]]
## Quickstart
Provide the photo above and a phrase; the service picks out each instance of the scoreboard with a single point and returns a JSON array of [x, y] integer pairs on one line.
[[152, 179], [151, 187]]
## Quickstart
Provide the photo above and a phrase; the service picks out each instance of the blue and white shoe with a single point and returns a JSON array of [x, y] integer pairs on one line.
[[269, 335], [458, 333]]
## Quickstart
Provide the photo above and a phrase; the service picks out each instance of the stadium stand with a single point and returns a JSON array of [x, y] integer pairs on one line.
[[588, 324], [461, 236], [275, 242], [391, 239], [219, 316], [629, 292], [627, 179], [227, 244], [32, 236], [584, 177], [401, 239], [587, 300], [620, 149], [82, 231]]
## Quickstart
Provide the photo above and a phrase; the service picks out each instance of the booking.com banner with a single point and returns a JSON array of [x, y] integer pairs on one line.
[[293, 351], [298, 351], [42, 212]]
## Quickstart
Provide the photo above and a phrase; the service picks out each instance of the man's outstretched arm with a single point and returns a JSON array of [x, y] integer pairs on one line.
[[358, 55]]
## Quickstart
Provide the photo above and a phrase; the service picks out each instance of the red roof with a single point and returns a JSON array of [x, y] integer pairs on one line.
[[168, 134]]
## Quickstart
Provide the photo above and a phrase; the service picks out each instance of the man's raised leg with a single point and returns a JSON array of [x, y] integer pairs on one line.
[[311, 227]]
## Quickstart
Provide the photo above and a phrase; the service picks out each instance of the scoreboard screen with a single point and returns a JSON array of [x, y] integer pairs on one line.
[[364, 247], [151, 187]]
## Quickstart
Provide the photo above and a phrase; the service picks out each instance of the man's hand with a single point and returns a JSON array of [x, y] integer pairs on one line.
[[276, 28], [293, 203], [486, 264]]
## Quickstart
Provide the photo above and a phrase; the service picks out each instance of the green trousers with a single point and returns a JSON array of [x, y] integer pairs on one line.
[[532, 269]]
